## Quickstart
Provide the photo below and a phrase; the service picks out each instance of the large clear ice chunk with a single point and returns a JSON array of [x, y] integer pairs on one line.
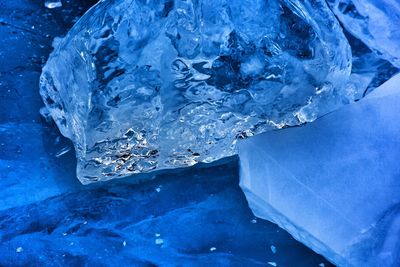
[[375, 22], [144, 85], [334, 184]]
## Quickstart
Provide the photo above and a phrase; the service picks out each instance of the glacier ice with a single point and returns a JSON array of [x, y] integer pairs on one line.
[[144, 85], [368, 70], [334, 184], [375, 22]]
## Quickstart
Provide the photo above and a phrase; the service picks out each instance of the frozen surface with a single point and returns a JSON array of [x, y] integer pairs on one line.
[[334, 184], [375, 22], [30, 171], [29, 168], [139, 86], [196, 217]]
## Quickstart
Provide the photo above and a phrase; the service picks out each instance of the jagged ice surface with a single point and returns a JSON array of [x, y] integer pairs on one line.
[[375, 22], [144, 85]]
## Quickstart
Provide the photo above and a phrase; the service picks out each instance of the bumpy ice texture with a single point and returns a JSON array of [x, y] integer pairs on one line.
[[334, 183], [144, 85], [375, 22]]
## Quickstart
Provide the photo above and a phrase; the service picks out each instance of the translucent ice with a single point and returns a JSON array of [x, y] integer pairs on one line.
[[368, 70], [375, 22], [143, 85], [334, 184]]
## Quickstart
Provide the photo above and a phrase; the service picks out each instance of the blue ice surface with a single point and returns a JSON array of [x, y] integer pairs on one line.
[[334, 184], [195, 217], [191, 217]]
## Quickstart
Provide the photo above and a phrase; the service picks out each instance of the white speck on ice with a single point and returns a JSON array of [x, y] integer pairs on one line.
[[157, 234], [321, 265], [53, 4], [124, 243], [63, 151], [159, 241], [213, 248], [254, 221], [19, 249], [272, 263], [273, 249], [158, 189]]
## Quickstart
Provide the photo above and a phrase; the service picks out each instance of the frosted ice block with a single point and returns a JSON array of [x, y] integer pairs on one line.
[[334, 184]]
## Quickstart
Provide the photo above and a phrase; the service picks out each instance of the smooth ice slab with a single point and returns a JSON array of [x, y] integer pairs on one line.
[[144, 85], [375, 22], [334, 184]]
